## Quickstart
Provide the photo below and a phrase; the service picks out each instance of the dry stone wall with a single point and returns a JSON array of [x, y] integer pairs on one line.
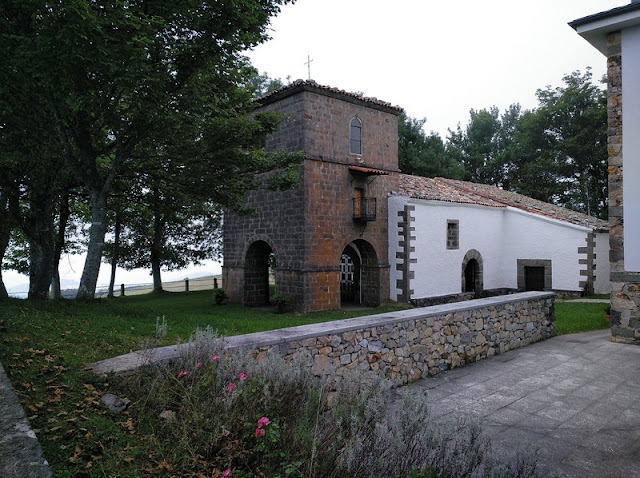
[[408, 345]]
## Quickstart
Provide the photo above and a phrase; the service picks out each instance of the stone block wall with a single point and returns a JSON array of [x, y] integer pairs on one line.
[[309, 227], [408, 345], [625, 286], [277, 221]]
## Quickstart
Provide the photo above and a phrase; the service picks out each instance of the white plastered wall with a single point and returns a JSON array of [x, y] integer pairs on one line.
[[602, 284], [530, 236], [438, 270], [502, 235], [396, 204], [631, 146]]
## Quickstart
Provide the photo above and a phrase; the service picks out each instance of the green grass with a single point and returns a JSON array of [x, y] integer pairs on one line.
[[574, 317], [45, 346]]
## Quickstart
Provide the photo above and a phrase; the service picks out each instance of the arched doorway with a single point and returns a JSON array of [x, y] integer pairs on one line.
[[359, 275], [472, 277], [256, 274]]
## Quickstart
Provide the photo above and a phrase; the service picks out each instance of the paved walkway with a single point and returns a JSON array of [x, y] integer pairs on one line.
[[20, 452], [576, 397]]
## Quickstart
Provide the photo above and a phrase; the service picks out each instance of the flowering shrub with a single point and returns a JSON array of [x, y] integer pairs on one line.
[[272, 419]]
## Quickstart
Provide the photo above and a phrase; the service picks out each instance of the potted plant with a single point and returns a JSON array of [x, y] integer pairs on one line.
[[607, 312]]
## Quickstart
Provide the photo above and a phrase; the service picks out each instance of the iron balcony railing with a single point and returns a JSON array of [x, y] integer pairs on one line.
[[364, 209]]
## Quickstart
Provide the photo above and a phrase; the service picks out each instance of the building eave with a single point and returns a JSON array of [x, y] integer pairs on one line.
[[595, 28], [311, 86]]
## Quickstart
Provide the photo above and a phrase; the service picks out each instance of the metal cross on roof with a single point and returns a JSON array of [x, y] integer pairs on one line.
[[308, 63]]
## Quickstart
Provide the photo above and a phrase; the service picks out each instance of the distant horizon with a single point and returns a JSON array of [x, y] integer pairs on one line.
[[71, 271]]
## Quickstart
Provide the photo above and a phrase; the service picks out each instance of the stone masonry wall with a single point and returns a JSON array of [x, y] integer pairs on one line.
[[405, 346], [308, 228], [625, 286]]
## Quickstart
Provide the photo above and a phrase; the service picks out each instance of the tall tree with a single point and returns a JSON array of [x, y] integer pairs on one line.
[[114, 74], [561, 153], [576, 123], [422, 154], [484, 148]]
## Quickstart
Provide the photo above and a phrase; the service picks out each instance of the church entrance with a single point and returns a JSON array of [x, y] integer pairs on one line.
[[359, 275], [470, 274], [350, 276], [472, 280], [256, 274], [533, 278]]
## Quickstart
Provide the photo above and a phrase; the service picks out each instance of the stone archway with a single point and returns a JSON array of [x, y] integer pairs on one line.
[[359, 274], [472, 274], [256, 274]]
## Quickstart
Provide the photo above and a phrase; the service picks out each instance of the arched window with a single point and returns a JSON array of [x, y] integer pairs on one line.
[[355, 136]]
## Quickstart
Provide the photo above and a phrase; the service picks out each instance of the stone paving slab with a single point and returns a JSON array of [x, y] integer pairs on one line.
[[20, 452], [574, 397]]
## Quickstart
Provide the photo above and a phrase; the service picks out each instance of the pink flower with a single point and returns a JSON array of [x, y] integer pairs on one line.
[[199, 364], [230, 387], [215, 357], [226, 472], [263, 422], [243, 376], [260, 432], [183, 373]]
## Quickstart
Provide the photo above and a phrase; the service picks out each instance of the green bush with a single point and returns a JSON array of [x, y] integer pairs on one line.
[[216, 409], [219, 296], [279, 302]]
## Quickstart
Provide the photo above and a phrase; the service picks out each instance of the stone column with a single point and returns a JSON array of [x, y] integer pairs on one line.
[[625, 286]]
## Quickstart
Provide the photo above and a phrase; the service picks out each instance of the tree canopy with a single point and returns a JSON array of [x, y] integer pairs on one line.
[[556, 152], [120, 87]]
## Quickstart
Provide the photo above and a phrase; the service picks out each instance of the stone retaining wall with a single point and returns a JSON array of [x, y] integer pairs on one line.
[[402, 346], [408, 345]]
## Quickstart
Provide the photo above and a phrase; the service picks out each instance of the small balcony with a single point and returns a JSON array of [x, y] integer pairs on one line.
[[364, 209]]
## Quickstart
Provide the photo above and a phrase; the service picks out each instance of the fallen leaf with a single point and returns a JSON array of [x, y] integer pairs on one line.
[[165, 465]]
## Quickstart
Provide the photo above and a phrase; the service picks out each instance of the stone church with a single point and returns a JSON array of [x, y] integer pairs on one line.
[[358, 231]]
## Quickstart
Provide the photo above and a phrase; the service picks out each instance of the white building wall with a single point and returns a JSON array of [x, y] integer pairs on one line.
[[530, 236], [602, 283], [438, 270], [631, 146], [395, 204], [501, 235]]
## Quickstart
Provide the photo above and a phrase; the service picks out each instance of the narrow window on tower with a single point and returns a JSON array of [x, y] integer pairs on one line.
[[355, 137]]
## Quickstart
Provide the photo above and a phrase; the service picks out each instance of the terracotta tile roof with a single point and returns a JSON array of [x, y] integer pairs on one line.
[[435, 189], [310, 85], [450, 190]]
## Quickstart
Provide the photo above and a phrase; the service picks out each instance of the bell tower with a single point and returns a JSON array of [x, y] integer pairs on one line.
[[327, 238]]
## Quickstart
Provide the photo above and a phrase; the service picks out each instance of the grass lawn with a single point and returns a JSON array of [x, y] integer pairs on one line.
[[44, 348], [574, 317]]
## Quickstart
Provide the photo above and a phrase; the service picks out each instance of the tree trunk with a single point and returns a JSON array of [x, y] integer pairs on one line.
[[156, 245], [89, 279], [5, 235], [41, 252], [116, 254], [63, 220], [4, 243], [40, 233], [55, 291]]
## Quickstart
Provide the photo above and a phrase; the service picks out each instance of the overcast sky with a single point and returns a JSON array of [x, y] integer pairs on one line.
[[437, 60]]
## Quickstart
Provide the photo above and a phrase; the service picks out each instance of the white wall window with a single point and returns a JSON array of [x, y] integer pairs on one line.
[[453, 233]]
